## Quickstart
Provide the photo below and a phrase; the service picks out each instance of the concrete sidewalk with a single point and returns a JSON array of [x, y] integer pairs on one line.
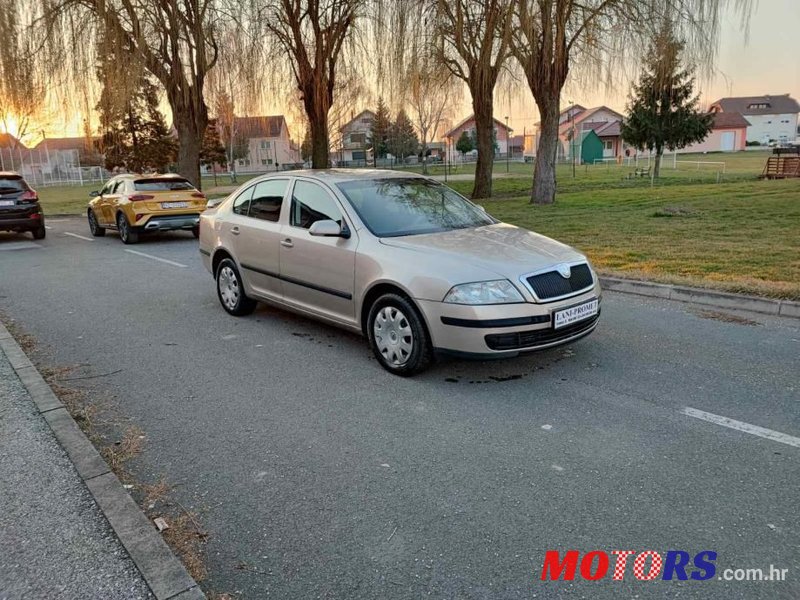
[[55, 541]]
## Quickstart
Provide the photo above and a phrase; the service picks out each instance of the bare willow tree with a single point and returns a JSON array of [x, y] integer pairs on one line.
[[601, 37], [314, 33], [174, 40], [474, 43], [22, 79]]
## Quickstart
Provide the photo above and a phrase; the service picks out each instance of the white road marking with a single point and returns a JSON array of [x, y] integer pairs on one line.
[[769, 434], [80, 237], [19, 246], [163, 260], [47, 227]]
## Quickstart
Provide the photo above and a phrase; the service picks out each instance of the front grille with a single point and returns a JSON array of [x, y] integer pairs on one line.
[[553, 285], [538, 337]]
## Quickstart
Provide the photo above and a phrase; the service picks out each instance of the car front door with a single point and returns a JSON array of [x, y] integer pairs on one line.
[[253, 229], [110, 201], [100, 206], [318, 273]]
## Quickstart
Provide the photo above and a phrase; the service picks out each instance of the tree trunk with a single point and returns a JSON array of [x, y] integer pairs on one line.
[[657, 162], [544, 171], [483, 105], [190, 140], [319, 142], [317, 100]]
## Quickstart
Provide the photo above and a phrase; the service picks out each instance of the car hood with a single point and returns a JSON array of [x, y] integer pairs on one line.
[[502, 248]]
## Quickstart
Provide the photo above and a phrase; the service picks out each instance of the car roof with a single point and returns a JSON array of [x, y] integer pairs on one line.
[[340, 175], [10, 174], [148, 176]]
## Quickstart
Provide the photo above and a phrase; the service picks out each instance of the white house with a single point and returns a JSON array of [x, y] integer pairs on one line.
[[357, 139], [771, 118], [269, 147]]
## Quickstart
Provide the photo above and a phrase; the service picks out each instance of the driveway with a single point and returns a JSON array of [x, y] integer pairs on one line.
[[319, 475]]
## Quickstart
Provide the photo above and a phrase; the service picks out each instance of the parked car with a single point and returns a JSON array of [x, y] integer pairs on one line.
[[20, 210], [134, 204], [402, 259]]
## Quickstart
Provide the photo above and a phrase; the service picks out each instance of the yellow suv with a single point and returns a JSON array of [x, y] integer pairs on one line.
[[134, 204]]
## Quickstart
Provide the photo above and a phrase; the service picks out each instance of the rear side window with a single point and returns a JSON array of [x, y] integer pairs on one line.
[[242, 202], [12, 184], [175, 184], [267, 199]]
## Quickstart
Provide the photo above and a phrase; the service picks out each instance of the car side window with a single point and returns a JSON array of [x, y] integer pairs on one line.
[[242, 202], [267, 199], [312, 203], [107, 188], [120, 187]]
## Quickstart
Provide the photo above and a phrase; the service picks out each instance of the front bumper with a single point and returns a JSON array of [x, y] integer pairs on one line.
[[170, 223], [503, 330]]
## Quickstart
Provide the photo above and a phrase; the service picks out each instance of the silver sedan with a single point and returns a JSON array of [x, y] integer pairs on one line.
[[415, 267]]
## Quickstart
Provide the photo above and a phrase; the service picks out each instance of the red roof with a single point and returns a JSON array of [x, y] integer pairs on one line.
[[256, 127], [71, 143], [470, 118], [729, 120]]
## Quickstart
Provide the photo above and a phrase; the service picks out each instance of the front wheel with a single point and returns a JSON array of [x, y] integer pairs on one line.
[[126, 233], [230, 290], [398, 336]]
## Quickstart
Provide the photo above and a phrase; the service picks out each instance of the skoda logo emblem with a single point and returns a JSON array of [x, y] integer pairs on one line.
[[564, 271]]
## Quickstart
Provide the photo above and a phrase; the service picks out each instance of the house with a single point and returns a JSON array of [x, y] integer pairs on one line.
[[728, 134], [12, 152], [356, 145], [268, 144], [587, 147], [770, 118], [501, 133], [603, 121]]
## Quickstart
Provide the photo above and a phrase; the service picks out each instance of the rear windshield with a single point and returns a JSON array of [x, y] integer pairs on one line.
[[12, 184], [161, 185]]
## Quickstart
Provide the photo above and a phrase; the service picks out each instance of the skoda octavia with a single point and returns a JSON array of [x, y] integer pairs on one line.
[[406, 261]]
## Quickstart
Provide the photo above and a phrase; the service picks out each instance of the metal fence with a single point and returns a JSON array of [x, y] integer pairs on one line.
[[43, 167]]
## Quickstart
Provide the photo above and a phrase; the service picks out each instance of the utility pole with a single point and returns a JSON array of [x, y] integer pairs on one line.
[[508, 145], [572, 151]]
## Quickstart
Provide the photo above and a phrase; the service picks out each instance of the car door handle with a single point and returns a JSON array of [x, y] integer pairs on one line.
[[287, 243], [235, 230]]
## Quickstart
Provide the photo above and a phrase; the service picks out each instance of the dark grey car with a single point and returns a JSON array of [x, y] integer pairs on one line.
[[20, 210]]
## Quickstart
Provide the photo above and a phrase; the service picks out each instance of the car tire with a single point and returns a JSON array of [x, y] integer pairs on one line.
[[398, 336], [39, 234], [230, 290], [196, 231], [94, 225], [125, 232]]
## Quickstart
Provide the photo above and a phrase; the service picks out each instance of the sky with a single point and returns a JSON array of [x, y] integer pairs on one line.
[[767, 61]]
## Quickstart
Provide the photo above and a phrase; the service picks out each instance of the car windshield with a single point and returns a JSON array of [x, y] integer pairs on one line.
[[12, 184], [409, 206], [162, 185]]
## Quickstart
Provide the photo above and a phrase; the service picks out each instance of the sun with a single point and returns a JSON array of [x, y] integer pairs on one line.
[[9, 124]]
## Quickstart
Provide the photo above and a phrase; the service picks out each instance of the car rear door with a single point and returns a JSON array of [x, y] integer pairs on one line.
[[318, 273], [109, 199], [253, 230]]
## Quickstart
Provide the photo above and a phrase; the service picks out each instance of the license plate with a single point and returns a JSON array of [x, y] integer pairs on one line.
[[573, 314], [174, 204], [7, 203]]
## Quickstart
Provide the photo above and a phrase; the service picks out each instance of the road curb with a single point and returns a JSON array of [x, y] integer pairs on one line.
[[702, 297], [166, 576]]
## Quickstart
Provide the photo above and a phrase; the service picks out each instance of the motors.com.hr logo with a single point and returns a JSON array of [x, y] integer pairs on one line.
[[647, 566]]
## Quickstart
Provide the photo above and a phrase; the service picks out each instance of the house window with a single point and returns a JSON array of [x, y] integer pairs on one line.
[[359, 155], [760, 105], [608, 144], [264, 145], [358, 138], [269, 161], [263, 161]]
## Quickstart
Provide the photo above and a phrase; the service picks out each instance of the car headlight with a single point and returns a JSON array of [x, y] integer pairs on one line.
[[500, 291]]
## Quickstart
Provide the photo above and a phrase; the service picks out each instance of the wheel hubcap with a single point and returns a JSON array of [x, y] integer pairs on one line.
[[393, 335], [228, 287]]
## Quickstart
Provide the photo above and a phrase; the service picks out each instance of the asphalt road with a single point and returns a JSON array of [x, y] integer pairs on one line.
[[319, 475]]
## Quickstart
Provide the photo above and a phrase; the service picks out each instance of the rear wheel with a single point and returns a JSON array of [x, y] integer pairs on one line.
[[196, 231], [94, 225], [126, 233], [39, 234], [230, 290], [398, 336]]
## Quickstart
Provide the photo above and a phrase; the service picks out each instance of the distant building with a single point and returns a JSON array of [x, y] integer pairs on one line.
[[770, 118], [356, 144], [501, 134], [575, 120], [269, 146], [728, 134]]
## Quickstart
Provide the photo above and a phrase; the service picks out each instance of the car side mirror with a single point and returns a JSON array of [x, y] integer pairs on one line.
[[94, 194], [328, 228], [483, 208], [214, 202]]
